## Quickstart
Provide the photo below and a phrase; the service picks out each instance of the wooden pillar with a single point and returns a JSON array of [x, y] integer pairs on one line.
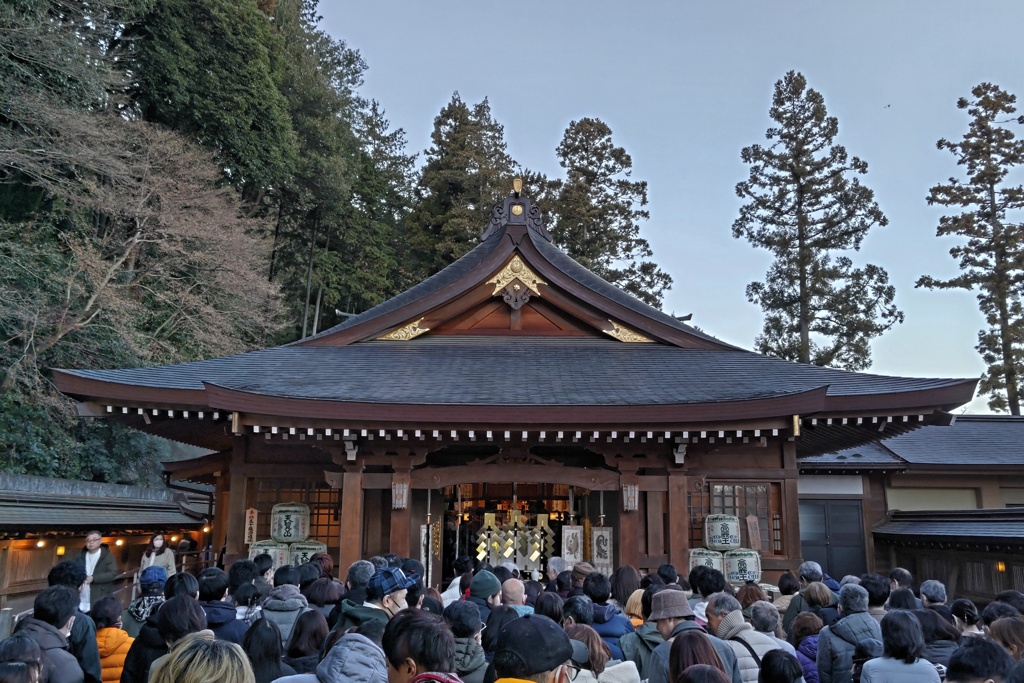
[[351, 534], [791, 502], [678, 520], [219, 523], [629, 520], [237, 496], [401, 517]]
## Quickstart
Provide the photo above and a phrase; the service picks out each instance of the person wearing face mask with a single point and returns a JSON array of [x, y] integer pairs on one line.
[[158, 555], [385, 597], [53, 614]]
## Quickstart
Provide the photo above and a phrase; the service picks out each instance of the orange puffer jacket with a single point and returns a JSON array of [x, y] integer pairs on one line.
[[113, 644]]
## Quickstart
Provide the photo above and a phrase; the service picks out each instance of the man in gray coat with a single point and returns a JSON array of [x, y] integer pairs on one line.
[[836, 643]]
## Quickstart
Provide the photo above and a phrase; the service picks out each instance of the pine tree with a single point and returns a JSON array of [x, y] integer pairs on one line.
[[467, 171], [807, 207], [992, 259], [594, 213]]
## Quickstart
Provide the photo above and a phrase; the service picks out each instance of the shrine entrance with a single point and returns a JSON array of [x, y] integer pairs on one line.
[[527, 523]]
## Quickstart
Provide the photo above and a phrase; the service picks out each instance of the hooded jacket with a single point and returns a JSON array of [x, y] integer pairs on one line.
[[470, 662], [222, 619], [888, 670], [113, 645], [638, 647], [611, 624], [61, 666], [658, 669], [146, 649], [836, 644], [283, 607], [807, 654], [482, 605], [733, 629], [353, 659], [353, 614]]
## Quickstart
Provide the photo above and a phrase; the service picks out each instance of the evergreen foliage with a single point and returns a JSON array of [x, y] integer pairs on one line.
[[992, 257], [806, 205], [594, 214], [467, 171]]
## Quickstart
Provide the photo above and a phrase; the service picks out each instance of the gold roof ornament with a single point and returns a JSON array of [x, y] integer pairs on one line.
[[516, 270], [624, 334], [405, 333], [517, 185]]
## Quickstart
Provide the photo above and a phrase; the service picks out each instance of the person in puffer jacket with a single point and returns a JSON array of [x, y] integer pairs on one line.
[[356, 657], [725, 620], [609, 621], [113, 642], [464, 620], [285, 602], [837, 643], [803, 634]]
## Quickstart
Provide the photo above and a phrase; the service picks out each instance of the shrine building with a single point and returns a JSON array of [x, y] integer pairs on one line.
[[508, 398]]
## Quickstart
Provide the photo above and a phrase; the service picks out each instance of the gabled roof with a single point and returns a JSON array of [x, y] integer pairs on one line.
[[1001, 527], [604, 359]]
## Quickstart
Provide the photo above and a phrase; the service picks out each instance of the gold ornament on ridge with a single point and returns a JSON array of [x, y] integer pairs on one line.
[[516, 270]]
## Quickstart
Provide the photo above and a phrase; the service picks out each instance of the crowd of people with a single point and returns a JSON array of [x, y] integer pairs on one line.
[[381, 624]]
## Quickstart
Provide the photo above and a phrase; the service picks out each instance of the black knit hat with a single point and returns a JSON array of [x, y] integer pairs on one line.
[[539, 643]]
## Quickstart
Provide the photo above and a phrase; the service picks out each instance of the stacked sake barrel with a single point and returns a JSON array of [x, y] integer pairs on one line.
[[723, 551], [289, 536]]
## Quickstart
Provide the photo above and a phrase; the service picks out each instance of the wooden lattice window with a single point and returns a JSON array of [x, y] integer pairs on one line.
[[761, 499], [323, 502]]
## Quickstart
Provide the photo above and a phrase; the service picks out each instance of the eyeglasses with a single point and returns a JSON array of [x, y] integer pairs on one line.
[[572, 670]]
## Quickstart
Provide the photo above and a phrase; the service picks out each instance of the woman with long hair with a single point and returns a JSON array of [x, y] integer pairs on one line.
[[941, 638], [902, 647], [262, 644], [901, 598], [691, 647], [306, 641], [803, 635], [199, 659], [157, 554], [596, 669], [625, 580], [1009, 632], [966, 618]]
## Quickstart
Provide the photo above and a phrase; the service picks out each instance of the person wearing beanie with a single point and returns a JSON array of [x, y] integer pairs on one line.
[[151, 580], [485, 593]]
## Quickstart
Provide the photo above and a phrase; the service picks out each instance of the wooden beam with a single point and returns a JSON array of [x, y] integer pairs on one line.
[[595, 480]]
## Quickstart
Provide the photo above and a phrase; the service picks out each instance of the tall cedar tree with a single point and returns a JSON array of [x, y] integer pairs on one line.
[[467, 172], [807, 206], [340, 215], [594, 213], [992, 259], [208, 69]]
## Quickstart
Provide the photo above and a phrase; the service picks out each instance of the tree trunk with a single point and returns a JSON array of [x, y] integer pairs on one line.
[[1002, 292]]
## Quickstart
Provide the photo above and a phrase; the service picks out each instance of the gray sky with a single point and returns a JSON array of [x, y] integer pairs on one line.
[[685, 85]]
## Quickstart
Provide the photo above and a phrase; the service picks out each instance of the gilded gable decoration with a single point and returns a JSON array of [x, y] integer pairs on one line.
[[405, 333], [624, 334], [515, 282]]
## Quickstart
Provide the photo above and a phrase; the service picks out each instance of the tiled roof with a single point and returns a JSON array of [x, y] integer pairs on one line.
[[978, 526], [973, 440], [871, 455], [470, 370]]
